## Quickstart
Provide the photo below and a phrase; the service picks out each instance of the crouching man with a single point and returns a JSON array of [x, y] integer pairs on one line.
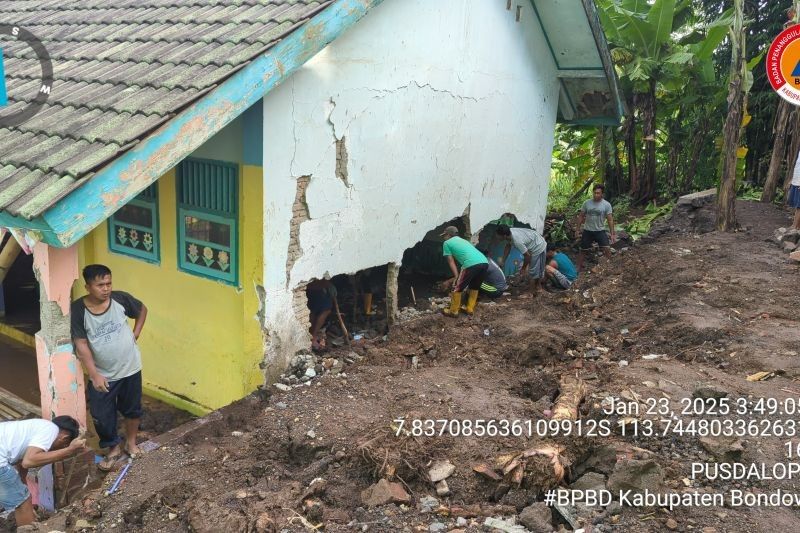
[[30, 444], [560, 270]]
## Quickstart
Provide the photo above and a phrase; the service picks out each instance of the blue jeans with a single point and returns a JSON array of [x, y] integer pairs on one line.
[[125, 396], [13, 492]]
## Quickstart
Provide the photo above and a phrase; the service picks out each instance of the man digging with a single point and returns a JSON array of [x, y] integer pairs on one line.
[[31, 444], [107, 347], [473, 270], [533, 248]]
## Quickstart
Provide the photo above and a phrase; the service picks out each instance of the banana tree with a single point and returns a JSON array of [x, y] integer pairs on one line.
[[649, 55]]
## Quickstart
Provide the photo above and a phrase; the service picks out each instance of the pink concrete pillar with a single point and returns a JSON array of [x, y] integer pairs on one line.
[[60, 376]]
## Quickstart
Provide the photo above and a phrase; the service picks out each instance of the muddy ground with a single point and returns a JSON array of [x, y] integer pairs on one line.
[[713, 308]]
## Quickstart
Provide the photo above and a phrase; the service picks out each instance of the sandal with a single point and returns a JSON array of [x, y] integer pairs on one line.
[[107, 464]]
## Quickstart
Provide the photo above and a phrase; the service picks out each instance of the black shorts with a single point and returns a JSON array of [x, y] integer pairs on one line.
[[472, 277], [319, 301], [590, 237]]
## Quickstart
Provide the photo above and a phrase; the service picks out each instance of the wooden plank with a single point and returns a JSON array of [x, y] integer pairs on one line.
[[16, 406]]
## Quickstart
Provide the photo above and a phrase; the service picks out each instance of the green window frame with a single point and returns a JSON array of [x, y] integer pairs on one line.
[[208, 219], [130, 232]]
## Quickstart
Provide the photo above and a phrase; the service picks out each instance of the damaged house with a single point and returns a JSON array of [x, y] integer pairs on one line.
[[219, 155]]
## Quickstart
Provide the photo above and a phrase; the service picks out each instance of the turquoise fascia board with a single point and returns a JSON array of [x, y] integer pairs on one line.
[[89, 205]]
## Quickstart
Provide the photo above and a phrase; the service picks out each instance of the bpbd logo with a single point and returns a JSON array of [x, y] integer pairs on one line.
[[24, 106]]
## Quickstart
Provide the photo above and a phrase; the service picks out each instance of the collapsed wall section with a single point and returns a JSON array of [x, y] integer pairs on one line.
[[420, 110]]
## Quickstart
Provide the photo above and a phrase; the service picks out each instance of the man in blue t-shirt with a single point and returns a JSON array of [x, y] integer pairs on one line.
[[560, 269]]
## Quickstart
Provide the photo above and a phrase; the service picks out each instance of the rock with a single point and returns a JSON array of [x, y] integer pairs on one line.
[[795, 256], [602, 459], [698, 199], [337, 367], [637, 476], [726, 449], [487, 471], [384, 492], [435, 527], [671, 524], [241, 494], [461, 521], [506, 526], [590, 481], [83, 524], [172, 516], [281, 386], [441, 470], [537, 518], [281, 405], [237, 434], [709, 393], [311, 434], [614, 508], [441, 488], [264, 523], [428, 504], [709, 530], [310, 372], [789, 236]]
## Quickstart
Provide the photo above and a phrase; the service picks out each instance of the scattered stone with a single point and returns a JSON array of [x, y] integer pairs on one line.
[[264, 523], [172, 516], [310, 372], [428, 504], [337, 367], [461, 521], [537, 518], [709, 393], [671, 524], [281, 386], [435, 527], [237, 434], [789, 247], [487, 472], [83, 524], [795, 256], [709, 530], [614, 508], [281, 405], [637, 476], [311, 434], [441, 488], [591, 481], [506, 526], [602, 459], [623, 363], [441, 470], [241, 494], [726, 449], [384, 492]]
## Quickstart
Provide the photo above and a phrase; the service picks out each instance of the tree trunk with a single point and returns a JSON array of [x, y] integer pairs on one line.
[[697, 146], [794, 149], [726, 196], [630, 150], [780, 131], [647, 101]]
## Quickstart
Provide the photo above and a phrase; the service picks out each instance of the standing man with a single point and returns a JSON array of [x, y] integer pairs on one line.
[[473, 269], [533, 248], [793, 199], [30, 444], [594, 215], [107, 347]]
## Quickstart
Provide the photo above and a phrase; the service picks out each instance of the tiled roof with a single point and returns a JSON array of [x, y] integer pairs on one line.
[[122, 68]]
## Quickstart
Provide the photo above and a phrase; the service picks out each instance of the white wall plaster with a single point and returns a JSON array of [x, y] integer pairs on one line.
[[441, 104]]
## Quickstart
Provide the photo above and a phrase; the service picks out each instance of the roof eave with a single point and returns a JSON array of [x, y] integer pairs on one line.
[[86, 207], [605, 56]]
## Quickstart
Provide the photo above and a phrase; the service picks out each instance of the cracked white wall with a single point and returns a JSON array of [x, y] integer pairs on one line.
[[439, 105]]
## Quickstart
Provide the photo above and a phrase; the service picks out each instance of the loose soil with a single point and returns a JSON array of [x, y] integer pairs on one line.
[[718, 306]]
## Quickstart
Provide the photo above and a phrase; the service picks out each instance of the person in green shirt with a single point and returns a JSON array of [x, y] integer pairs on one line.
[[473, 270]]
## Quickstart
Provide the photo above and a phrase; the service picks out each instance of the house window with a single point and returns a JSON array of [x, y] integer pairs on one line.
[[133, 230], [207, 219]]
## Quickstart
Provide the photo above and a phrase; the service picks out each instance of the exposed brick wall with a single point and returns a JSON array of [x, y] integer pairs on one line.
[[70, 477], [299, 215], [299, 305]]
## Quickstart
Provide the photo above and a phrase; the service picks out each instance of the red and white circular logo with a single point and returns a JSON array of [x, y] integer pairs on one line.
[[783, 64]]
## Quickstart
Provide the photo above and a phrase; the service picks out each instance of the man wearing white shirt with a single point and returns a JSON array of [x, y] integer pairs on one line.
[[30, 444]]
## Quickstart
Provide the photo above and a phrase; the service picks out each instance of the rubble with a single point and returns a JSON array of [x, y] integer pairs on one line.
[[384, 492], [725, 449], [637, 476], [506, 526], [441, 470], [537, 518]]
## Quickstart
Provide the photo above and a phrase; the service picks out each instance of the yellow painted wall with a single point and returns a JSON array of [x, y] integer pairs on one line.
[[201, 344]]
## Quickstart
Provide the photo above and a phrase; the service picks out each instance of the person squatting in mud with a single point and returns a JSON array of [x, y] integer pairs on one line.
[[533, 248], [106, 345]]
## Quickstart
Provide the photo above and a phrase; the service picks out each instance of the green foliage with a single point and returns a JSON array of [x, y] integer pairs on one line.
[[622, 208], [640, 226], [558, 232]]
